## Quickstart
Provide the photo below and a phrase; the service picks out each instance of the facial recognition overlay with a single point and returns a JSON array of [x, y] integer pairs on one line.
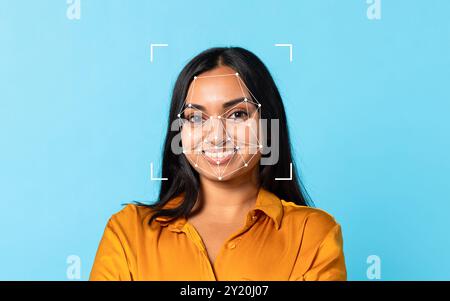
[[222, 145]]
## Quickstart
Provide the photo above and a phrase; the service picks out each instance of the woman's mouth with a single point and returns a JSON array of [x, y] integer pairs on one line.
[[219, 157]]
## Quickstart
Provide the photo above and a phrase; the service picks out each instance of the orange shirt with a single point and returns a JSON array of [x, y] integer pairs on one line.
[[280, 241]]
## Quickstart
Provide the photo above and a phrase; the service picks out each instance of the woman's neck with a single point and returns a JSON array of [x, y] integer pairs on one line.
[[227, 201]]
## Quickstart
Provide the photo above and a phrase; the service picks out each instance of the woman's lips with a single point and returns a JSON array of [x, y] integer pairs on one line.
[[219, 157]]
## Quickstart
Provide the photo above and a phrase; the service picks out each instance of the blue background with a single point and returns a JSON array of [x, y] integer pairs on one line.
[[83, 114]]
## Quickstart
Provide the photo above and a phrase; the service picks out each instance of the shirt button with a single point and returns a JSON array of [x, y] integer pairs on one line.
[[231, 245]]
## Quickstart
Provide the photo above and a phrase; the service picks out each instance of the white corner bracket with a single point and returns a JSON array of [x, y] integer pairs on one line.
[[290, 175], [151, 49], [290, 49], [151, 174]]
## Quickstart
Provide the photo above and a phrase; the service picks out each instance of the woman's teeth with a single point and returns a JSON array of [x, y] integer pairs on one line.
[[218, 155]]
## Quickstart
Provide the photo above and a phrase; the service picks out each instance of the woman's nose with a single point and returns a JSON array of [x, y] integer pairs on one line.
[[216, 133]]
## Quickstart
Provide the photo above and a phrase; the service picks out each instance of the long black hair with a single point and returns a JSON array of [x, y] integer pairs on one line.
[[182, 178]]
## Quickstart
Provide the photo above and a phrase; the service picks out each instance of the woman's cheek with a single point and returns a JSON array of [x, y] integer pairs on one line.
[[246, 137], [191, 140]]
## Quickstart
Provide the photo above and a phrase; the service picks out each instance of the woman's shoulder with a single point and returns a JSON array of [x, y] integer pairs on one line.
[[131, 215], [311, 218]]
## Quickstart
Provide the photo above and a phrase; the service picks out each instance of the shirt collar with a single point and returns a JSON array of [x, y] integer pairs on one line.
[[270, 204], [266, 201]]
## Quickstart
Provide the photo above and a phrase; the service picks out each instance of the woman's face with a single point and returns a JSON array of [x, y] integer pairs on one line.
[[220, 125]]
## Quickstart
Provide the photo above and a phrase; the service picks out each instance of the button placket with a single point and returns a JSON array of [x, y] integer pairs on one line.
[[195, 237]]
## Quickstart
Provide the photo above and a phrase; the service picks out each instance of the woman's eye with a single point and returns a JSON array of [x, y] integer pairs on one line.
[[195, 119], [239, 115]]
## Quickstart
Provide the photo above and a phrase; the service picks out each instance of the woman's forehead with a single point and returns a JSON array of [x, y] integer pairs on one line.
[[215, 89]]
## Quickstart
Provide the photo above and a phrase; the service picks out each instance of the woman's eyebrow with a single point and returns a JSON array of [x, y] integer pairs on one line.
[[231, 103], [225, 105]]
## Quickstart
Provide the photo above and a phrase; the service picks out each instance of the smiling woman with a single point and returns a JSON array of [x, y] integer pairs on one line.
[[222, 214]]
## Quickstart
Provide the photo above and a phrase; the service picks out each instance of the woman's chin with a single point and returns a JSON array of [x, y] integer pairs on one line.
[[226, 169], [224, 174]]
